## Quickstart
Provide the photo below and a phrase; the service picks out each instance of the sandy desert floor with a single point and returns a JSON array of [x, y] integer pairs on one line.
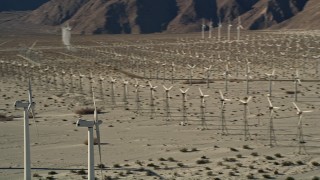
[[144, 141]]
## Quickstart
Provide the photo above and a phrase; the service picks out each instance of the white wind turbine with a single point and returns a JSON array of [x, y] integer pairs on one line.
[[226, 75], [152, 98], [137, 86], [248, 77], [172, 71], [125, 92], [229, 29], [90, 124], [208, 71], [113, 100], [167, 107], [272, 135], [270, 77], [239, 27], [184, 107], [27, 107], [203, 27], [80, 81], [245, 118], [100, 80], [210, 29], [300, 131], [191, 68], [203, 109], [223, 120], [296, 82], [219, 29]]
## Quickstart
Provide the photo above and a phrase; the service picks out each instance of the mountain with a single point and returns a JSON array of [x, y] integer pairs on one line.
[[173, 16]]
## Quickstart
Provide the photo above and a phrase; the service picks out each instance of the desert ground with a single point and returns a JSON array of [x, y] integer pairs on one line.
[[147, 134]]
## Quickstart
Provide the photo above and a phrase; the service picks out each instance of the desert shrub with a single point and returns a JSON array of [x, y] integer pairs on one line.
[[254, 154], [234, 149], [3, 117], [269, 158], [202, 161], [162, 159], [239, 156], [315, 178], [300, 163], [315, 163], [287, 163], [117, 166], [194, 150], [250, 176], [210, 173], [81, 172], [36, 175], [52, 173], [289, 178], [86, 110], [181, 165], [171, 159], [101, 166], [278, 155], [267, 176], [246, 147], [184, 150]]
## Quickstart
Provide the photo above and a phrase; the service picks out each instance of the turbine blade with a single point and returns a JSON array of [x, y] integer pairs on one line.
[[307, 111], [221, 95], [249, 99], [296, 106], [270, 104], [200, 92]]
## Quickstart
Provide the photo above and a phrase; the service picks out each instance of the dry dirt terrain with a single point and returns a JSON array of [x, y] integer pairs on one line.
[[148, 135]]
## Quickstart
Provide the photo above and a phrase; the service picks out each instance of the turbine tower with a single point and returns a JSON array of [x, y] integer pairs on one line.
[[299, 130], [245, 118], [272, 135], [90, 124], [27, 107], [223, 120]]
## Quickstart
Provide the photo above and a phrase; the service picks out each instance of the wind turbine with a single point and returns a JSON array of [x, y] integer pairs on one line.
[[137, 86], [210, 28], [219, 29], [239, 27], [125, 92], [272, 136], [300, 132], [270, 77], [248, 71], [184, 107], [168, 113], [152, 105], [90, 124], [223, 120], [229, 29], [191, 73], [208, 71], [27, 107], [245, 117], [203, 27], [203, 109], [226, 75], [172, 71], [296, 82], [113, 101]]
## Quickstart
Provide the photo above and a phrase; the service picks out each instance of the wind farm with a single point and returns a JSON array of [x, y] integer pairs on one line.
[[161, 106]]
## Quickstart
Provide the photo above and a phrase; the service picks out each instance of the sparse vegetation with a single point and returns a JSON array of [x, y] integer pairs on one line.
[[278, 155], [254, 154], [287, 163], [3, 117], [315, 163], [81, 172], [234, 149], [269, 158], [52, 173], [290, 178], [86, 110], [184, 150], [202, 161]]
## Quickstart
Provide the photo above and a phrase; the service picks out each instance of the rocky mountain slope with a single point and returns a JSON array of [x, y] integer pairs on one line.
[[174, 16]]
